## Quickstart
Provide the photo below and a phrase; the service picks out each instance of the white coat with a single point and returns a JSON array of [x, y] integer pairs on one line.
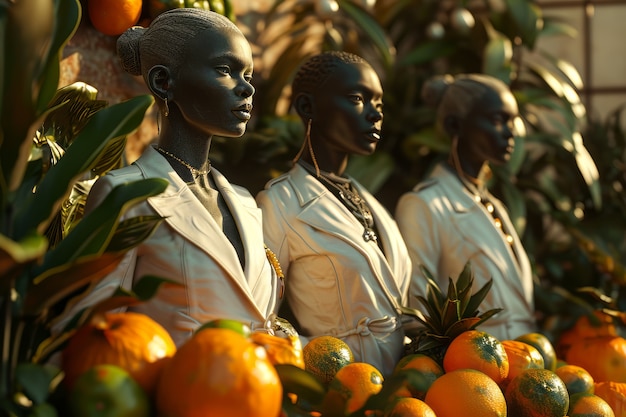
[[337, 283], [444, 227], [190, 248]]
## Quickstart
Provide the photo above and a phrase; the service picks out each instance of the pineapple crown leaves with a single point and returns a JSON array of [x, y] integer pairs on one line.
[[453, 312]]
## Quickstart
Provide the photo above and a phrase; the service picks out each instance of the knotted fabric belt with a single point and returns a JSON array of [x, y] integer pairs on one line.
[[367, 326]]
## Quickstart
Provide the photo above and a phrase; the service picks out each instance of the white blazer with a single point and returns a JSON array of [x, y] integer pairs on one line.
[[191, 249], [444, 227], [337, 283]]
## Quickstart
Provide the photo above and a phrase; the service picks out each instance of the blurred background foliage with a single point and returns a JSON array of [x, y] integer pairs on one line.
[[564, 185]]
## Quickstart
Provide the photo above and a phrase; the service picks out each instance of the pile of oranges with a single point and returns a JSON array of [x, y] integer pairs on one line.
[[223, 369]]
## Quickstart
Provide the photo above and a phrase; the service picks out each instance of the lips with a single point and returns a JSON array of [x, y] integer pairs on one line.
[[374, 134], [243, 112]]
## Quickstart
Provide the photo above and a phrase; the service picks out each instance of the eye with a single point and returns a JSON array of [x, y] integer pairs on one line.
[[224, 70], [356, 98], [248, 77]]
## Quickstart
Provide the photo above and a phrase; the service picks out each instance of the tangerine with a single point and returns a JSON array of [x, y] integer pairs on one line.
[[577, 379], [113, 17], [604, 357], [107, 391], [475, 349], [325, 355], [613, 393], [537, 393], [467, 393], [280, 350], [132, 341], [521, 356], [352, 385], [410, 407], [541, 342], [426, 365], [219, 372], [585, 404]]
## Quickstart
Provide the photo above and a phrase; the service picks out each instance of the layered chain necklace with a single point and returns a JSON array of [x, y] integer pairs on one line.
[[194, 171], [351, 199]]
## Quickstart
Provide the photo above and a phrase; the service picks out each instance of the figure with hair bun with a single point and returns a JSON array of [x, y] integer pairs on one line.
[[198, 66], [450, 217], [347, 269]]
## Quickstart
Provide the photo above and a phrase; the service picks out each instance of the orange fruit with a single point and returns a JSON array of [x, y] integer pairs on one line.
[[577, 379], [280, 350], [613, 393], [475, 349], [521, 356], [235, 325], [325, 355], [107, 391], [604, 357], [603, 326], [537, 393], [589, 405], [410, 407], [467, 393], [113, 17], [219, 372], [352, 385], [132, 341], [543, 345], [426, 365]]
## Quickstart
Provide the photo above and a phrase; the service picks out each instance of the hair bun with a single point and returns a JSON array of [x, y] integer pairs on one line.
[[128, 49], [434, 89]]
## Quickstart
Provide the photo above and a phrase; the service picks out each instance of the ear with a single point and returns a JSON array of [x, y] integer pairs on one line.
[[159, 81], [452, 125], [303, 104]]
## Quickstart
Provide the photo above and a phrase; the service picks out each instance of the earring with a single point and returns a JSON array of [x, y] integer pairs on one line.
[[167, 109], [307, 143]]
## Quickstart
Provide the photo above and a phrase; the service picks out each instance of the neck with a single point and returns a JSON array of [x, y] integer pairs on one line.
[[325, 163], [190, 146]]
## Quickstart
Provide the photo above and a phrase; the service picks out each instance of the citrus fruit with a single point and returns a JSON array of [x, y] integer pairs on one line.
[[113, 17], [236, 325], [613, 393], [467, 393], [281, 350], [219, 372], [325, 355], [352, 385], [576, 379], [589, 405], [426, 365], [543, 345], [604, 357], [537, 393], [521, 356], [475, 349], [132, 341], [107, 391], [410, 407]]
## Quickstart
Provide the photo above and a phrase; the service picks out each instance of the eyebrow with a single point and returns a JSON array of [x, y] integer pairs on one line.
[[229, 56]]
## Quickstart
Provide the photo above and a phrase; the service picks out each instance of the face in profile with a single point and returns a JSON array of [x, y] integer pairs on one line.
[[348, 110], [488, 129], [212, 88]]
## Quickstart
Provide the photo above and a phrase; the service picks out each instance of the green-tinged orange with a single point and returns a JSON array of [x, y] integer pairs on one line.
[[541, 342], [589, 405], [426, 365], [325, 355], [466, 393], [352, 385], [475, 349], [576, 379], [537, 393], [235, 325], [521, 356], [107, 391]]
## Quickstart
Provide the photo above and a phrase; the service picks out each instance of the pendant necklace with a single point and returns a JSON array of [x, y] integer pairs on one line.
[[351, 199], [194, 171]]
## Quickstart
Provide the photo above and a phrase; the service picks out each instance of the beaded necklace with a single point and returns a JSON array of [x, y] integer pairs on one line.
[[194, 171]]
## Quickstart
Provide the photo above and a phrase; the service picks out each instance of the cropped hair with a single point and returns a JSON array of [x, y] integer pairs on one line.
[[164, 42]]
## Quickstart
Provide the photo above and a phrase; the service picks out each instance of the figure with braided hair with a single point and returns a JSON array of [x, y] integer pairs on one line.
[[198, 66], [450, 217], [347, 269]]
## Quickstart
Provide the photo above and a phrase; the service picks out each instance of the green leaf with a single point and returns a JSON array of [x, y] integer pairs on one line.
[[371, 171], [35, 380], [497, 57], [478, 297], [130, 232], [428, 52], [106, 124], [146, 287], [300, 382], [15, 255], [391, 385], [528, 20]]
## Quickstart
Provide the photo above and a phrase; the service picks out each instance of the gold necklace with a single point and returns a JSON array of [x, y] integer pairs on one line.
[[194, 171]]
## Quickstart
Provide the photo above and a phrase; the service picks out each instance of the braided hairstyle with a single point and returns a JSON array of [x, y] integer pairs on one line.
[[316, 70], [164, 42]]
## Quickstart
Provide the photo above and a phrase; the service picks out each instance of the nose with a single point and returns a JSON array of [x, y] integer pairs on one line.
[[375, 115], [245, 89]]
